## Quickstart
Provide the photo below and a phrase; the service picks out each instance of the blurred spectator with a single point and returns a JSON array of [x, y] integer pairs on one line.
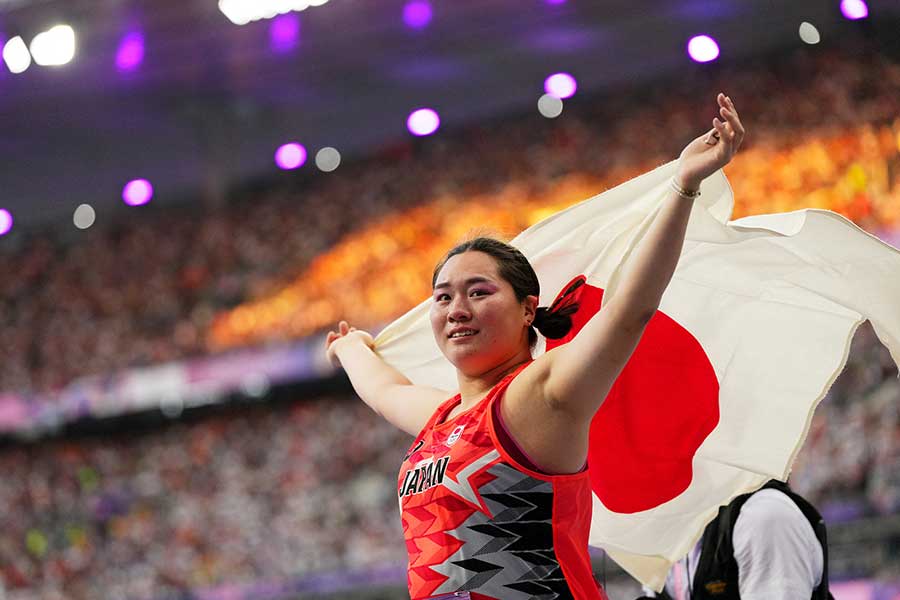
[[850, 463], [145, 292], [265, 494], [273, 492], [279, 492]]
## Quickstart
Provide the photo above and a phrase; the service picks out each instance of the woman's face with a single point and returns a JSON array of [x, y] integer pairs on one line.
[[478, 322]]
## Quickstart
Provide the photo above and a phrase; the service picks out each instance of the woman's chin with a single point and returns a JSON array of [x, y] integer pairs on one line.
[[467, 359]]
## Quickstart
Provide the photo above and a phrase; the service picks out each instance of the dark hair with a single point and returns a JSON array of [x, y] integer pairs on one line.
[[554, 322]]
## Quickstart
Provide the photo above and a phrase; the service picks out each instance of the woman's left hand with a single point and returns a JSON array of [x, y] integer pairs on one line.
[[712, 150]]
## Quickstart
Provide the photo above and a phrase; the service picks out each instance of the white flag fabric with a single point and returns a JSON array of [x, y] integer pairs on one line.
[[717, 399]]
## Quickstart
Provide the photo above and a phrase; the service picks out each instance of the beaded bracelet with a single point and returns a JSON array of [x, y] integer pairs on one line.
[[683, 192]]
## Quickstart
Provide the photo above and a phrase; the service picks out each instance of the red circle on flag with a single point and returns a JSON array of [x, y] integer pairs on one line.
[[662, 406]]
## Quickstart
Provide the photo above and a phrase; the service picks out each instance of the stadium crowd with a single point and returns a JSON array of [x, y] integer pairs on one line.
[[147, 290], [266, 494], [850, 462], [271, 493]]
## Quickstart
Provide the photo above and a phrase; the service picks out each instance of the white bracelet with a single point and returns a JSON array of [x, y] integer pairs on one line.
[[683, 192]]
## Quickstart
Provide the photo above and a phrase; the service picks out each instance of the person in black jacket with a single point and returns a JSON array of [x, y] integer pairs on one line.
[[770, 545]]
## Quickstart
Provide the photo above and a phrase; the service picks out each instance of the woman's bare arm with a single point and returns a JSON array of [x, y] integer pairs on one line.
[[387, 391], [573, 379]]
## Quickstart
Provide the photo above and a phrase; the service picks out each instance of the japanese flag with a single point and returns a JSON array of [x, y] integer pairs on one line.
[[718, 396]]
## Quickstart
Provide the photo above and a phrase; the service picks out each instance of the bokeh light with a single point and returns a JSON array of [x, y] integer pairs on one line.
[[554, 2], [284, 32], [6, 221], [137, 192], [84, 216], [130, 53], [423, 121], [417, 14], [54, 47], [328, 159], [854, 9], [290, 156], [241, 12], [550, 106], [16, 55], [809, 34], [703, 48], [561, 85]]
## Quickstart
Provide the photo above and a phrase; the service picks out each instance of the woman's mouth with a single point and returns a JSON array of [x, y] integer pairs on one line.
[[462, 333]]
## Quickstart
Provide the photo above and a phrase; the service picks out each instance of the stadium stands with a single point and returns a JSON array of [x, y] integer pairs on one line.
[[281, 492]]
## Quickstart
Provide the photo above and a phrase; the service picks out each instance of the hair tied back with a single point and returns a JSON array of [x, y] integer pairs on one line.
[[556, 322]]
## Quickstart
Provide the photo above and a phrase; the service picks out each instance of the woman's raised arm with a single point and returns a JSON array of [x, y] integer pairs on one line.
[[387, 391], [578, 375]]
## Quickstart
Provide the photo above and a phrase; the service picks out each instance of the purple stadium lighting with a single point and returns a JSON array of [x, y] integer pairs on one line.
[[560, 85], [130, 54], [137, 192], [417, 14], [854, 9], [290, 156], [6, 221], [703, 49], [284, 32], [423, 121]]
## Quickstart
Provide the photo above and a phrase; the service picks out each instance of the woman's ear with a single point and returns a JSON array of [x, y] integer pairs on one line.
[[530, 304]]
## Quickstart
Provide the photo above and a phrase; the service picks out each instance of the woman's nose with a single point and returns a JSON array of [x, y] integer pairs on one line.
[[459, 310]]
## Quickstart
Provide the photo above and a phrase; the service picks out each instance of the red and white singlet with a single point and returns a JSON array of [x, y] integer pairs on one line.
[[478, 520]]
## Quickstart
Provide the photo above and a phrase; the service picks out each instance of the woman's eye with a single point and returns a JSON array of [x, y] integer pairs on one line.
[[441, 297], [478, 293]]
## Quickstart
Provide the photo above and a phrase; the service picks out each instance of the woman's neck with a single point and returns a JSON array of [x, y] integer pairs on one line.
[[472, 388]]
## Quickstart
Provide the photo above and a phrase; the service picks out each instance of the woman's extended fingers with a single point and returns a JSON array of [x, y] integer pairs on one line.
[[728, 129], [329, 339], [737, 120], [730, 114], [721, 130], [343, 329]]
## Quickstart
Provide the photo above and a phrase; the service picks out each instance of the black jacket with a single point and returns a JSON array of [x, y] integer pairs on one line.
[[716, 577]]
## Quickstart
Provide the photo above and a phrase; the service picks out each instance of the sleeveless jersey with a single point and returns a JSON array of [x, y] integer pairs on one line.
[[475, 520]]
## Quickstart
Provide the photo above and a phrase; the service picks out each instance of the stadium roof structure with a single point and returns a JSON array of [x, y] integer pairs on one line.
[[211, 101]]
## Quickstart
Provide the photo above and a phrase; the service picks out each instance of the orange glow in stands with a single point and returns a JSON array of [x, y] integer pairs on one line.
[[377, 273]]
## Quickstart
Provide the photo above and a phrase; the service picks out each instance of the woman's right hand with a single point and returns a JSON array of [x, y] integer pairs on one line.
[[344, 334], [712, 150]]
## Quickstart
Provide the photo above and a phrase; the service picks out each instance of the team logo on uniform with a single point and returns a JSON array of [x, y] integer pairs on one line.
[[454, 436]]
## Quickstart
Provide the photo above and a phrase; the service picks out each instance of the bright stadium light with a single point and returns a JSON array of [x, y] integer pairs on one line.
[[84, 216], [241, 12], [854, 9], [6, 221], [328, 159], [550, 106], [809, 34], [137, 192], [284, 33], [417, 14], [130, 53], [290, 156], [16, 56], [561, 85], [703, 48], [54, 47], [423, 121]]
